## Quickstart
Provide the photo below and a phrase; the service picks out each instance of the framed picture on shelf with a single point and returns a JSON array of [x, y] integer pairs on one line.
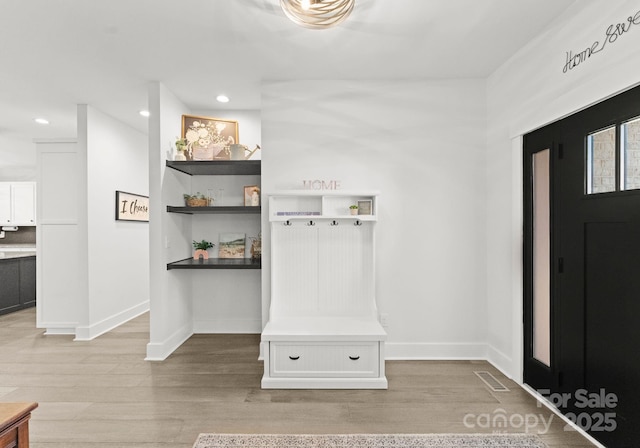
[[208, 138], [251, 196], [231, 245], [365, 207]]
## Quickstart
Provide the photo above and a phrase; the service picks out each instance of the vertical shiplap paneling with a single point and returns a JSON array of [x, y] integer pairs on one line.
[[295, 269], [345, 269]]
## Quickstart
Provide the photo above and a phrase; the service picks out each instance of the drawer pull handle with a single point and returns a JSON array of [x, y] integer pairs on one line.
[[354, 358], [294, 358]]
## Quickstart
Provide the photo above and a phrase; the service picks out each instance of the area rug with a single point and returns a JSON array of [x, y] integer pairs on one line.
[[368, 441]]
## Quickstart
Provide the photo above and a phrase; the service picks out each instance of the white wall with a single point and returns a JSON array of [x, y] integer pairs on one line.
[[171, 307], [118, 288], [421, 143], [527, 92]]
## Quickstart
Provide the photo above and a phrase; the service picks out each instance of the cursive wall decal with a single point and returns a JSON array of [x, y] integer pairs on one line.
[[613, 32]]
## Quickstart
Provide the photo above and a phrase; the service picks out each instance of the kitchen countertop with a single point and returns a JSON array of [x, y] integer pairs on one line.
[[17, 247], [12, 255], [11, 251]]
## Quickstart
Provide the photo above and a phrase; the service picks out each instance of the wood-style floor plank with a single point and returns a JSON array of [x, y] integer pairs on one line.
[[103, 394]]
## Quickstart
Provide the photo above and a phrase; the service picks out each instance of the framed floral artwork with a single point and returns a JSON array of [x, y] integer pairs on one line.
[[208, 138]]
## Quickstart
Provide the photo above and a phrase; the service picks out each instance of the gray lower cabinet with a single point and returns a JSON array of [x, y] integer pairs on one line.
[[28, 282], [17, 284]]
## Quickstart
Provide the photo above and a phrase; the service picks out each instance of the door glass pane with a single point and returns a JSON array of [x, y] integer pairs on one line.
[[541, 258], [630, 157], [601, 161]]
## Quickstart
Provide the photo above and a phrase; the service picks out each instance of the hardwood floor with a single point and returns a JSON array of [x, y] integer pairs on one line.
[[103, 394]]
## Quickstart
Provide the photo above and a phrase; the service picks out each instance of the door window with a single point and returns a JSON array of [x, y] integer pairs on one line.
[[601, 161], [613, 158], [630, 154]]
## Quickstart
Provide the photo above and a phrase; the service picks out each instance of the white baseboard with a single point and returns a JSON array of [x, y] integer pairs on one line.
[[251, 326], [435, 351], [87, 333], [159, 351], [501, 362]]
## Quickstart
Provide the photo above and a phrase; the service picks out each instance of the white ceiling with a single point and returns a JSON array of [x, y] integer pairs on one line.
[[55, 54]]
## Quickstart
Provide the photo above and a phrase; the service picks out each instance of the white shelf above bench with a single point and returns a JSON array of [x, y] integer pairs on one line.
[[304, 204]]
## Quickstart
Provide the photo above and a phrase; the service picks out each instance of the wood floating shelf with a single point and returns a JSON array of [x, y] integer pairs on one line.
[[216, 263], [216, 167], [228, 210]]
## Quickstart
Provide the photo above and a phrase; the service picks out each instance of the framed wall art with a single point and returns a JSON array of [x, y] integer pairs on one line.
[[208, 138], [231, 245], [365, 207], [132, 207], [251, 196]]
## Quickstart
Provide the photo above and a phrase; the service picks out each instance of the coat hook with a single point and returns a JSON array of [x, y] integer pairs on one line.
[[334, 223], [357, 223], [287, 223], [311, 223]]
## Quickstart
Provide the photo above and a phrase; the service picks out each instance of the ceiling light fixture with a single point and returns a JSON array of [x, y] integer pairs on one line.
[[222, 99], [41, 120], [145, 113], [317, 14]]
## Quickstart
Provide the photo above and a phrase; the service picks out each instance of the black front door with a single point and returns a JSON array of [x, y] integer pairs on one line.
[[595, 268]]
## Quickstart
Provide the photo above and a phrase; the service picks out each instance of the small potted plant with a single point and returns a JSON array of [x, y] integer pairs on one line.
[[196, 200], [181, 146], [353, 209], [201, 249]]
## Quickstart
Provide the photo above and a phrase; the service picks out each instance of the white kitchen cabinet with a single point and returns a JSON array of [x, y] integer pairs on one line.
[[5, 203], [18, 203]]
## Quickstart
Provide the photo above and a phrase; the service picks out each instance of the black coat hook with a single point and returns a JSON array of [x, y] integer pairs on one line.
[[334, 223], [357, 223], [311, 223], [287, 223]]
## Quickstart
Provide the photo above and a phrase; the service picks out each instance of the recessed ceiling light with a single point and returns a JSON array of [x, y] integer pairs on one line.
[[41, 120], [145, 113], [222, 98]]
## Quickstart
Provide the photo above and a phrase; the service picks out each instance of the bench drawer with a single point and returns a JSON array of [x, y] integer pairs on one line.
[[324, 359]]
